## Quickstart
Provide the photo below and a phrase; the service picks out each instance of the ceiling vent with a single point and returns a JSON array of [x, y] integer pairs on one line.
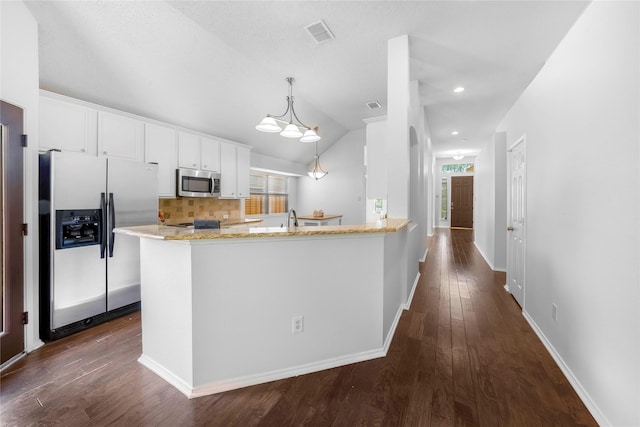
[[320, 32], [373, 105]]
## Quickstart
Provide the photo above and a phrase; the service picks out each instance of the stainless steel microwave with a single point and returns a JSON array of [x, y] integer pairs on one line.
[[197, 183]]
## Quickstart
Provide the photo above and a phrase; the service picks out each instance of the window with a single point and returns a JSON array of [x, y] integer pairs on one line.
[[444, 197], [458, 168], [269, 194]]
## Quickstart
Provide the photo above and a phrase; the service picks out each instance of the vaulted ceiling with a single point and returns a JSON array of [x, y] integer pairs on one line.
[[220, 66]]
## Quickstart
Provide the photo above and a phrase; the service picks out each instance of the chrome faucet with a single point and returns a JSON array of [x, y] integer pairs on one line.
[[295, 218]]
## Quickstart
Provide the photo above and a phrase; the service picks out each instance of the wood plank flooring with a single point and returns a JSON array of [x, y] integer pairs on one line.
[[463, 355]]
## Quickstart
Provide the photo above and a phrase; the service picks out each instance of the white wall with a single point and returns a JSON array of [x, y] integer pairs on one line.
[[490, 198], [19, 86], [272, 164], [500, 202], [581, 117], [342, 191], [484, 209]]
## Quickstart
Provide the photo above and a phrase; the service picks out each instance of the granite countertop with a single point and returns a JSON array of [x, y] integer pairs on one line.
[[223, 222], [162, 232], [320, 218]]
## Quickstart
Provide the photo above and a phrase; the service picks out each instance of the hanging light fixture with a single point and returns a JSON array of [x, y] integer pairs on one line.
[[317, 172], [292, 130]]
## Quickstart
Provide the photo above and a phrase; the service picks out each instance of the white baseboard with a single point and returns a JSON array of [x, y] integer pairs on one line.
[[506, 287], [249, 380], [166, 375], [407, 305], [392, 331], [491, 266], [424, 257], [582, 393], [280, 374]]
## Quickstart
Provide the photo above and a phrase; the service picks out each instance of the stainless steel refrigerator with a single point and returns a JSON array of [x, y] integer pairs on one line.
[[88, 274]]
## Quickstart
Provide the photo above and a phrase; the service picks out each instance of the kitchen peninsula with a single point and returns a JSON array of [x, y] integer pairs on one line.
[[229, 308]]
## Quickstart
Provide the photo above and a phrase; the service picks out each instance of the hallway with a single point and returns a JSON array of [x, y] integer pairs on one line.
[[462, 355]]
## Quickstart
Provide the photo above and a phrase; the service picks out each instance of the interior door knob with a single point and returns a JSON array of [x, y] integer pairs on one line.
[[509, 228]]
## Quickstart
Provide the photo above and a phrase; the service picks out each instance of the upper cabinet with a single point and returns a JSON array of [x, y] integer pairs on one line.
[[69, 124], [234, 171], [210, 154], [67, 127], [120, 136], [243, 172], [188, 150], [160, 146], [198, 152]]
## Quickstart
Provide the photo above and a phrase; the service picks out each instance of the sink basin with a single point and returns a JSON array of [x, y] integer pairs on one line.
[[182, 225]]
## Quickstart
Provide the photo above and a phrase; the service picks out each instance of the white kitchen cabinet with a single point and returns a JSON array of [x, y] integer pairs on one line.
[[228, 171], [234, 171], [160, 146], [243, 156], [209, 154], [66, 126], [188, 150], [120, 136]]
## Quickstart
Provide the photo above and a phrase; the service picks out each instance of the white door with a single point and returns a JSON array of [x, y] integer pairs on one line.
[[516, 221]]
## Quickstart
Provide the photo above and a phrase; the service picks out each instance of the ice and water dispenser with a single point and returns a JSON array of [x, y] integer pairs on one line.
[[78, 228]]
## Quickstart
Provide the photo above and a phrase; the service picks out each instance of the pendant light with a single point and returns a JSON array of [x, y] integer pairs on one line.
[[317, 172], [292, 130]]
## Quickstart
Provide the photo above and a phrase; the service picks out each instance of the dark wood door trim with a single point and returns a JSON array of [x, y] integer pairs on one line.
[[12, 339]]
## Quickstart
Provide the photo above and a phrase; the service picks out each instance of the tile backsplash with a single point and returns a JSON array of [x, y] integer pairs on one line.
[[186, 209]]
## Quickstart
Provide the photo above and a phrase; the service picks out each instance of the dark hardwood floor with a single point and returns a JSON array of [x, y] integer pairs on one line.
[[463, 355]]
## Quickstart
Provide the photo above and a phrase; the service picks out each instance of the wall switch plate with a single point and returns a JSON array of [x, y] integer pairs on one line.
[[554, 311], [297, 324]]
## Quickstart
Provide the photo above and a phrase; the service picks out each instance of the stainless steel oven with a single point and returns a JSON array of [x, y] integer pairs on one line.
[[197, 183]]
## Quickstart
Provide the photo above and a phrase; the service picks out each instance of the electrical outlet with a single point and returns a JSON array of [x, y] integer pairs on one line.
[[225, 216], [554, 311], [297, 324]]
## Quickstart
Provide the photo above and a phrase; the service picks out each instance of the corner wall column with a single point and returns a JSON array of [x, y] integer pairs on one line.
[[398, 127]]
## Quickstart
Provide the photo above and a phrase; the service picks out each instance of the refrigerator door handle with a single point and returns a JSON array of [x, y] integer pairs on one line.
[[112, 224], [103, 227]]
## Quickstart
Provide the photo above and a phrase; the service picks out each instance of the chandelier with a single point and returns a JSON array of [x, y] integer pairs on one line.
[[291, 130], [317, 172]]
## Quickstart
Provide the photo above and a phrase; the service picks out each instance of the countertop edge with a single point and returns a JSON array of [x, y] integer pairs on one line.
[[171, 233]]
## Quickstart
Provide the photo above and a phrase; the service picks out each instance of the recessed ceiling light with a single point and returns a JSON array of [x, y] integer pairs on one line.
[[458, 89], [455, 132]]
